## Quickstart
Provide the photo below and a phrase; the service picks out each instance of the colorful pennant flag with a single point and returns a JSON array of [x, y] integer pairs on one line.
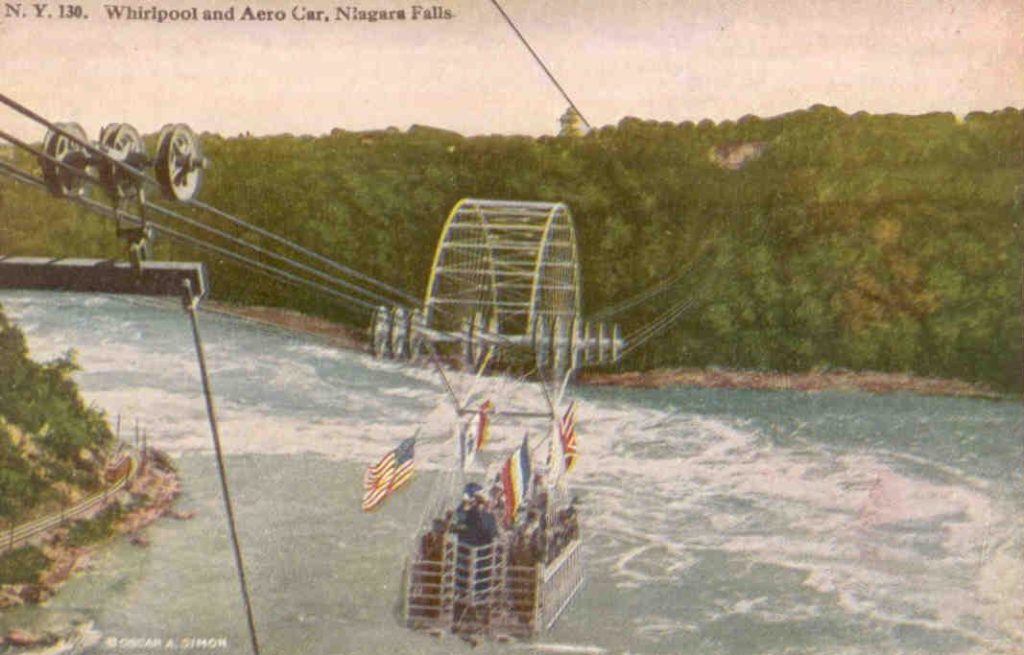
[[469, 445], [567, 436], [387, 475], [483, 426], [515, 480]]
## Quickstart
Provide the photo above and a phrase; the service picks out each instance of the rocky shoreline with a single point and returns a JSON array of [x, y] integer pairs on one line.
[[149, 496], [868, 381]]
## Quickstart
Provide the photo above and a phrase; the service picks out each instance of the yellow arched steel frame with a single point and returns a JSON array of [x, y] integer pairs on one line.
[[508, 260], [560, 237]]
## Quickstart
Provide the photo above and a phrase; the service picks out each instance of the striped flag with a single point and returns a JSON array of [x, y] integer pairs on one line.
[[390, 473], [567, 436], [483, 426], [469, 445], [515, 480]]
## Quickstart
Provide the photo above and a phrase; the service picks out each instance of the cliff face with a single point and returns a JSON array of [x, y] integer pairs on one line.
[[733, 156], [52, 446]]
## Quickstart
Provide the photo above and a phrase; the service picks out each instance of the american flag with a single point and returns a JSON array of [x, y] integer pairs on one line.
[[390, 473], [567, 435]]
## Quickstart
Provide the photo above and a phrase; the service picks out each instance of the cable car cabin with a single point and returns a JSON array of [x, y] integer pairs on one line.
[[515, 586]]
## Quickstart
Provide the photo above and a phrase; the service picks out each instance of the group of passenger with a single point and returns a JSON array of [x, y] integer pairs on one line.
[[565, 530], [530, 540], [538, 540]]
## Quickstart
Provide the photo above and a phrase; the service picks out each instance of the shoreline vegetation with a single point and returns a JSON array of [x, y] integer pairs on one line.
[[67, 550], [60, 463], [710, 378], [47, 562], [815, 239]]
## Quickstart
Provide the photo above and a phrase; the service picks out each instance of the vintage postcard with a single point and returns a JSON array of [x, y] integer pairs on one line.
[[660, 327]]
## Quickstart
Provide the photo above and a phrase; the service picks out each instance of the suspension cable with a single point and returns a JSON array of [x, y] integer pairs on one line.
[[143, 175], [668, 318], [196, 224], [654, 290], [658, 326], [170, 213], [669, 315], [540, 62], [284, 276], [305, 251]]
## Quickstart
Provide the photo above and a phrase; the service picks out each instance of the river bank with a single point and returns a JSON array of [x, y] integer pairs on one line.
[[149, 496], [291, 320], [710, 378], [813, 381]]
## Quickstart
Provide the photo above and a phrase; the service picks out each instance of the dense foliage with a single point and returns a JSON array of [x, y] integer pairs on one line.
[[23, 565], [83, 533], [860, 241], [51, 443]]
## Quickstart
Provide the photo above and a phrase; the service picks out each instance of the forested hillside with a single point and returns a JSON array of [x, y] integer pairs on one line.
[[816, 238], [52, 446]]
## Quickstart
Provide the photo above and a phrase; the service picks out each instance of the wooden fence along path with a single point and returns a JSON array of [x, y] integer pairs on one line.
[[17, 535]]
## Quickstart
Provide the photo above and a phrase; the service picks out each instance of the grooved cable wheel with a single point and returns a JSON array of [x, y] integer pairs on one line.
[[122, 142], [59, 180], [380, 331], [399, 332], [179, 163], [416, 339]]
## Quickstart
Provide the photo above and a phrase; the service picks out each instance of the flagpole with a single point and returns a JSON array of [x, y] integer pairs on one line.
[[565, 385], [447, 384]]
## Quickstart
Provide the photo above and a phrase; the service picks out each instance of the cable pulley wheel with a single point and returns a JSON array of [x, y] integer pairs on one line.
[[379, 332], [575, 343], [416, 338], [588, 344], [617, 343], [59, 179], [603, 343], [121, 142], [399, 332], [180, 164]]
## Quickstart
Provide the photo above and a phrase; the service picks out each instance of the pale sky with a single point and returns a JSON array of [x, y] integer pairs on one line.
[[671, 60]]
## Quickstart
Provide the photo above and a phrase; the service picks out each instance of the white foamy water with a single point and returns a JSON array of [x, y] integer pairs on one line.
[[716, 521]]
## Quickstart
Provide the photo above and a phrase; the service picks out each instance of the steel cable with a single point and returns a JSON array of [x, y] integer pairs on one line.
[[142, 175], [407, 297], [192, 222], [284, 276], [652, 291], [667, 318], [170, 213]]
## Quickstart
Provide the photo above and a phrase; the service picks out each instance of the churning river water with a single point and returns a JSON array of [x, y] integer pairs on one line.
[[714, 521]]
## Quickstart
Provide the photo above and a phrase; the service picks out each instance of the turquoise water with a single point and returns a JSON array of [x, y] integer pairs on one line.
[[716, 521]]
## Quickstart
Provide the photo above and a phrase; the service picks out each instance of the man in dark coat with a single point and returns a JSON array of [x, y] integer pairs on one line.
[[476, 527]]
